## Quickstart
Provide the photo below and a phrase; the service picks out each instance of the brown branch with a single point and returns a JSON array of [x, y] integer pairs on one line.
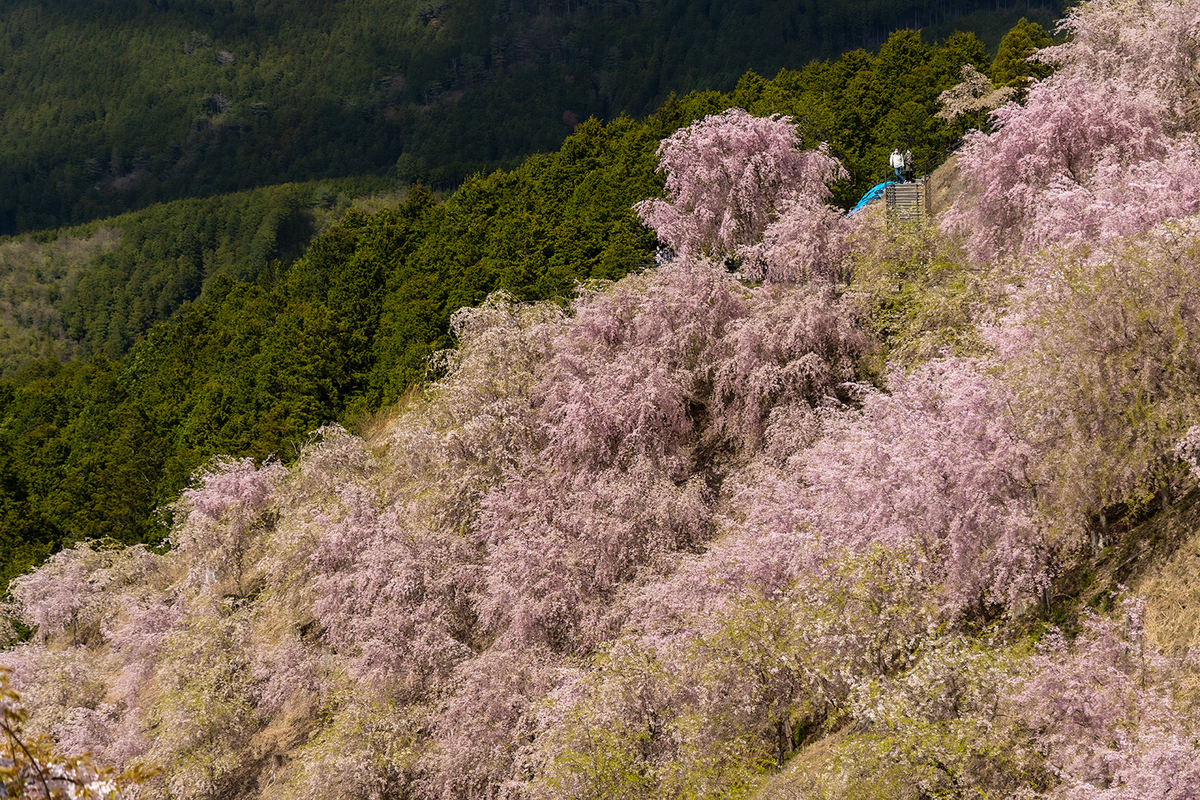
[[41, 773]]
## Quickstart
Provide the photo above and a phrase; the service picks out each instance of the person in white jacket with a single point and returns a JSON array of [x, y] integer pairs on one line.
[[897, 162]]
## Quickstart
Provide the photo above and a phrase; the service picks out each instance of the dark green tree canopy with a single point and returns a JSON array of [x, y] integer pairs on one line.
[[1012, 66]]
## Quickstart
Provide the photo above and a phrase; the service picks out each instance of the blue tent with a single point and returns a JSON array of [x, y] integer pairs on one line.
[[873, 193]]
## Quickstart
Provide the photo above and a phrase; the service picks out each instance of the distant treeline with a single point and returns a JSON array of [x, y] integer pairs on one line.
[[120, 104], [200, 329]]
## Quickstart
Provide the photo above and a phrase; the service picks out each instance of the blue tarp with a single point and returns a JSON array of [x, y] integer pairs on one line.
[[872, 193]]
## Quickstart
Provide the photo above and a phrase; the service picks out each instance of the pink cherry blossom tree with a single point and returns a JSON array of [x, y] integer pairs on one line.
[[64, 592], [739, 187], [973, 96], [937, 465], [222, 516], [1111, 715], [73, 592], [1097, 347], [1099, 149], [33, 769]]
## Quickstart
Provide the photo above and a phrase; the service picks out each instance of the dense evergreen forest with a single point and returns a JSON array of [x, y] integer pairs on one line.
[[237, 324], [121, 104]]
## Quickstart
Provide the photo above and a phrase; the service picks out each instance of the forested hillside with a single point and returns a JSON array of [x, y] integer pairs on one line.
[[266, 332], [116, 105], [777, 502]]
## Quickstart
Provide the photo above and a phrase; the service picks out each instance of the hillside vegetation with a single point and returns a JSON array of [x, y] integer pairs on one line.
[[283, 309], [799, 504], [123, 103]]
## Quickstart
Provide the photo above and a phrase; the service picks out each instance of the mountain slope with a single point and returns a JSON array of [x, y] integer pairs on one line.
[[864, 522], [260, 345], [125, 103]]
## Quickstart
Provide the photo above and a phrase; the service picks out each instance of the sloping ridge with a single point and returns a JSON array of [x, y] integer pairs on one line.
[[946, 185]]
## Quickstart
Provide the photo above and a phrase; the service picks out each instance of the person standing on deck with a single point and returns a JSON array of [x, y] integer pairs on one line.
[[897, 162]]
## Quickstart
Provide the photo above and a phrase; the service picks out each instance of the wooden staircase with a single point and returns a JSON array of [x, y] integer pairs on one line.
[[907, 202]]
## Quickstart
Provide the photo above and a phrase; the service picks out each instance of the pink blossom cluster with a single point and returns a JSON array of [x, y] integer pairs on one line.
[[1188, 450], [1108, 712], [31, 769], [1102, 148], [938, 466], [739, 187]]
